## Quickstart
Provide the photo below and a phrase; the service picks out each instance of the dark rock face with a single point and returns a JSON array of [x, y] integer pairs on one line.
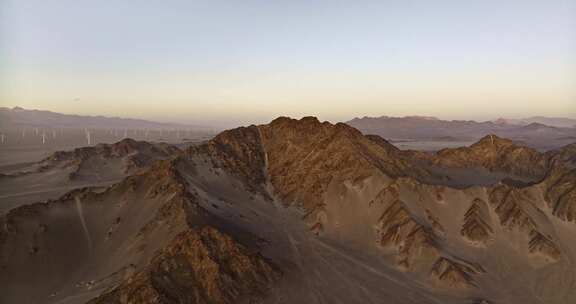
[[398, 229], [198, 266], [561, 193], [516, 211], [456, 274], [476, 226], [238, 151], [543, 245], [510, 205]]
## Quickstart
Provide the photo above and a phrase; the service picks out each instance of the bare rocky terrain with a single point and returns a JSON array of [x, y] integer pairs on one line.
[[294, 211]]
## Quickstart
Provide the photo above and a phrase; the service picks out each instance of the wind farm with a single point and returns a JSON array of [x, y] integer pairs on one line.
[[27, 140]]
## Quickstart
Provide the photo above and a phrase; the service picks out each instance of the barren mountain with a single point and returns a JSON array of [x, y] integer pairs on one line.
[[303, 211], [502, 158], [98, 165]]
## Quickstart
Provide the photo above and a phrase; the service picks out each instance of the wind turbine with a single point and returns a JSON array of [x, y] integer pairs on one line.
[[87, 136]]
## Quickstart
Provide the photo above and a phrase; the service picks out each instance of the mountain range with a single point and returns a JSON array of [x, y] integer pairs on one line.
[[18, 117], [295, 211], [421, 128], [560, 122]]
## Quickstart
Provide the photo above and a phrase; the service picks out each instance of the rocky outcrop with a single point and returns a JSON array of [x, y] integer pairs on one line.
[[455, 274], [476, 227], [510, 205], [560, 193], [198, 266], [540, 244], [389, 193], [434, 222], [417, 243], [400, 230]]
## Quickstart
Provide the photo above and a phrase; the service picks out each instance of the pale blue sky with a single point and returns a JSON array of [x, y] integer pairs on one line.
[[249, 61]]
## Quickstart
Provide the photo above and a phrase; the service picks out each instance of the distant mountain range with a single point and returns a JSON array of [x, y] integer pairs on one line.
[[18, 117], [560, 122], [418, 128]]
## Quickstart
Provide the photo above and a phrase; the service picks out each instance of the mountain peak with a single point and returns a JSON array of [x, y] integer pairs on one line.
[[304, 155], [497, 154], [493, 140], [501, 121], [537, 126], [287, 120]]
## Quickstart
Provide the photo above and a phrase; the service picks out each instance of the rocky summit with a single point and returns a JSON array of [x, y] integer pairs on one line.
[[294, 211]]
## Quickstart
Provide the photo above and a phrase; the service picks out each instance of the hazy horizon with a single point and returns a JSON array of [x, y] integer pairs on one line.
[[232, 124], [229, 63]]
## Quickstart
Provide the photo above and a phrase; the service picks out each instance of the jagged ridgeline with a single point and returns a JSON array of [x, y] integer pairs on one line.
[[296, 211]]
